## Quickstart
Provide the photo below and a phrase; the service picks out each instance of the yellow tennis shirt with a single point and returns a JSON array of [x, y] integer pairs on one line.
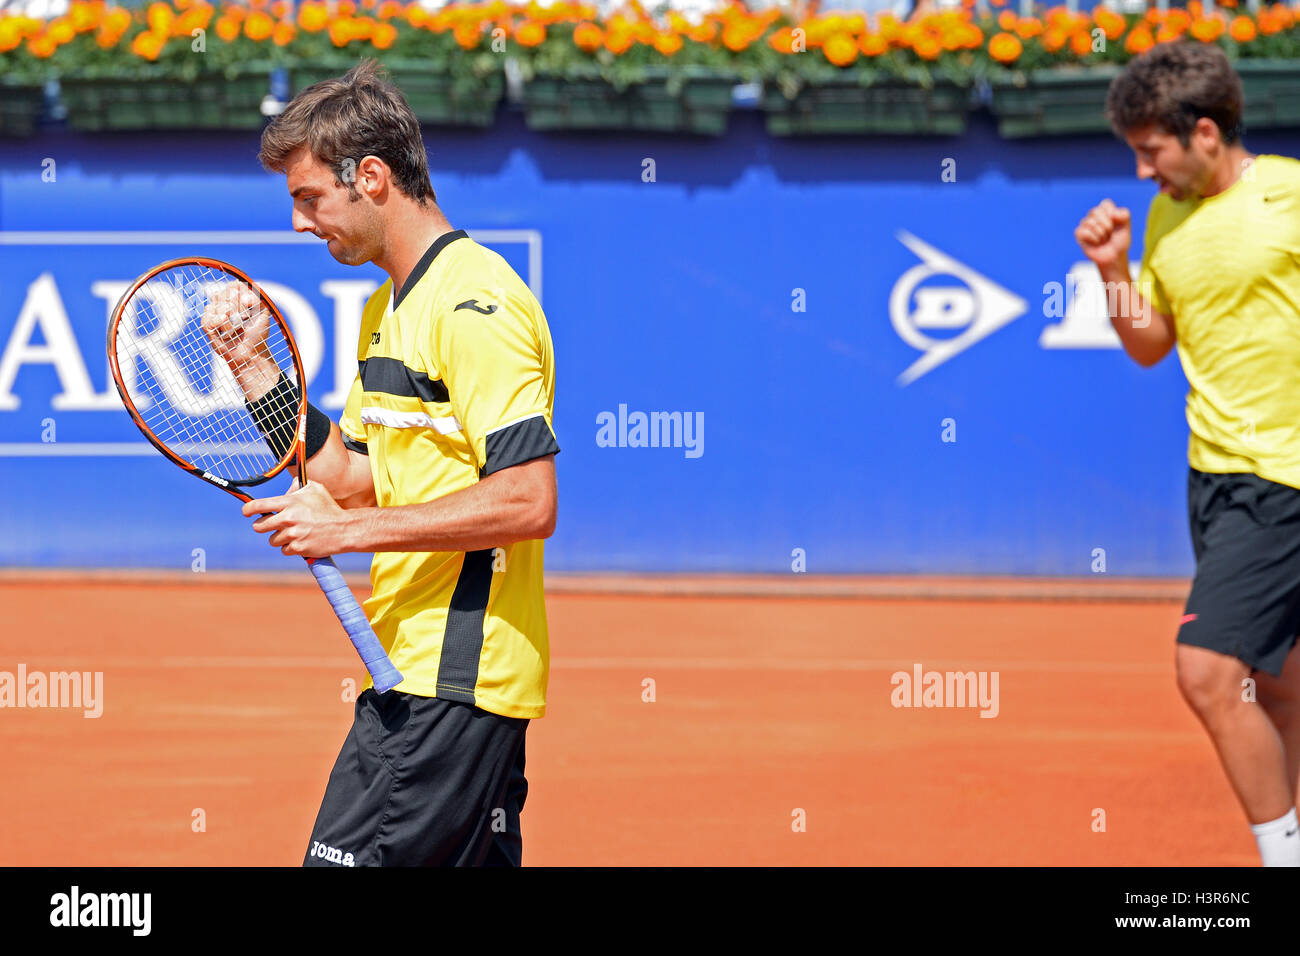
[[455, 383], [1227, 269]]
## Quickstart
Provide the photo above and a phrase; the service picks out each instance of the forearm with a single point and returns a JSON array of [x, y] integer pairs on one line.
[[256, 375], [489, 514], [1144, 340]]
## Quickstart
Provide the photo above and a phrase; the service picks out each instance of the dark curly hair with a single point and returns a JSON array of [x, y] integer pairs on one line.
[[1173, 85]]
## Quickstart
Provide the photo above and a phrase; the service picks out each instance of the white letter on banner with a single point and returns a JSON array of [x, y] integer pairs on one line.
[[44, 307]]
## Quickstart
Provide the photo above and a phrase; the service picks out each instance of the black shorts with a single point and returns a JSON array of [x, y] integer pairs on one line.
[[423, 782], [1245, 600]]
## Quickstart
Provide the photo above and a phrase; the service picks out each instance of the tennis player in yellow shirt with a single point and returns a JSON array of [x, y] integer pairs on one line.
[[442, 464], [1220, 280]]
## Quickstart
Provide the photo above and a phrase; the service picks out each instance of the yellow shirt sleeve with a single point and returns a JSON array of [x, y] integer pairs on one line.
[[350, 423], [494, 355]]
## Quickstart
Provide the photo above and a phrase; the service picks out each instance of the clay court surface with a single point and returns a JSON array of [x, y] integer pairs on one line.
[[764, 705]]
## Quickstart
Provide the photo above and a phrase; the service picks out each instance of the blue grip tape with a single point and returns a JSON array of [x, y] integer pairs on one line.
[[353, 619]]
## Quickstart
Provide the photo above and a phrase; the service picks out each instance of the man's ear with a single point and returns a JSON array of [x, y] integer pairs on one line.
[[373, 176]]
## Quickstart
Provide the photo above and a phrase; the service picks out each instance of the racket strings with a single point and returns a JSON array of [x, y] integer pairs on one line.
[[190, 395]]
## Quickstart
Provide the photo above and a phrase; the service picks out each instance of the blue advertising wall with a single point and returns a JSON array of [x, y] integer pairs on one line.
[[869, 330]]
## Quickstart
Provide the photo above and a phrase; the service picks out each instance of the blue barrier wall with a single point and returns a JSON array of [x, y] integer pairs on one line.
[[831, 310]]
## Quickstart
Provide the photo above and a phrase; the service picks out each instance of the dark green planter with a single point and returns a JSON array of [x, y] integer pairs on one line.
[[1272, 90], [211, 101], [1054, 102], [21, 106], [846, 107], [435, 98], [701, 105]]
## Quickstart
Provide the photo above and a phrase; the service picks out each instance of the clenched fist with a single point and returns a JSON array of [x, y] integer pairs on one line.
[[237, 322], [1104, 234]]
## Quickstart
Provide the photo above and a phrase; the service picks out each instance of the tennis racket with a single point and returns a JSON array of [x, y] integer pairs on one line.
[[208, 369]]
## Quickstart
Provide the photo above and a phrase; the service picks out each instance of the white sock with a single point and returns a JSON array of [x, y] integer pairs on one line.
[[1278, 840]]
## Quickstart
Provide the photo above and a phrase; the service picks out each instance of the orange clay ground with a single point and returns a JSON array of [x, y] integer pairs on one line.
[[763, 706]]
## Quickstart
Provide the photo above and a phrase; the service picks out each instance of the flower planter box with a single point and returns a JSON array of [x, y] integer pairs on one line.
[[21, 107], [210, 101], [1053, 102], [848, 108], [436, 99], [698, 103], [1272, 90]]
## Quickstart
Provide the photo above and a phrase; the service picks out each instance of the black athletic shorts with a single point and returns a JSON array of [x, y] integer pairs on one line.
[[1245, 600], [423, 782]]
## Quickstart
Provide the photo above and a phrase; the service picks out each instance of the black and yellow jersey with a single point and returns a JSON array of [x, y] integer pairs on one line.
[[1226, 268], [455, 382]]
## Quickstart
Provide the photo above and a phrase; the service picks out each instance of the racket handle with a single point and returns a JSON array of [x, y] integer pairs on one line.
[[353, 619]]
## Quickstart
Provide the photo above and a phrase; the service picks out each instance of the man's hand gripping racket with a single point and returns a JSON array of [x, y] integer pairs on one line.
[[208, 369]]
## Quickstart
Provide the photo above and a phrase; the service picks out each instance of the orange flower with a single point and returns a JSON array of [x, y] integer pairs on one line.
[[390, 9], [10, 34], [60, 30], [284, 33], [619, 41], [1007, 20], [736, 38], [668, 43], [313, 17], [1139, 40], [160, 18], [41, 47], [468, 35], [1167, 34], [1112, 24], [227, 28], [1029, 27], [384, 36], [1005, 47], [927, 48], [1242, 29], [705, 32], [1080, 44], [873, 44], [1207, 30], [840, 49], [588, 37], [341, 31], [782, 41], [362, 28], [1054, 38], [117, 20], [84, 16], [530, 33], [148, 45], [346, 8], [258, 26]]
